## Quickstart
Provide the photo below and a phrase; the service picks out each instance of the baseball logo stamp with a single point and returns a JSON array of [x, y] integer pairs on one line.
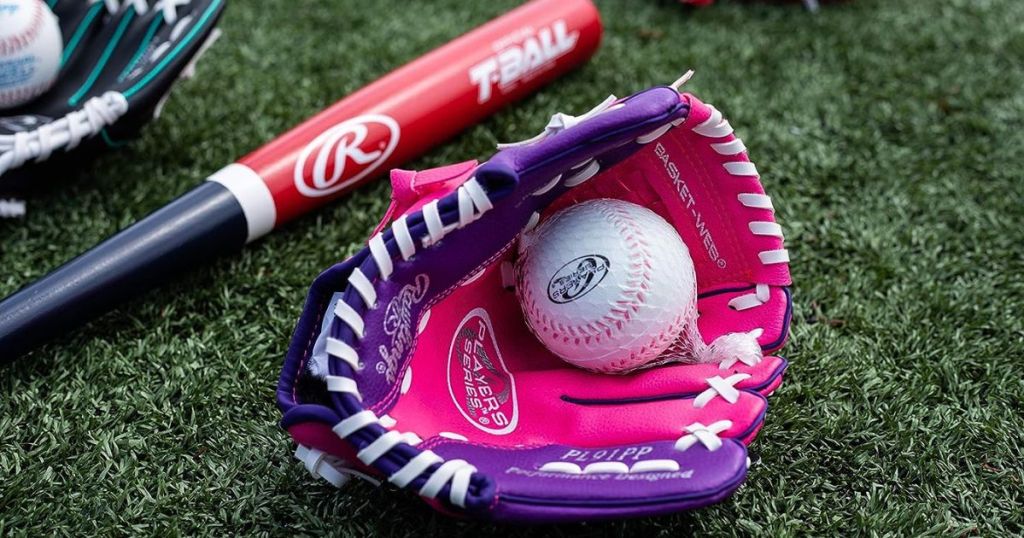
[[576, 278]]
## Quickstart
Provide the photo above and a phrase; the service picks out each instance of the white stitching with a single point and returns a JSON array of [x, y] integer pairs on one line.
[[379, 447], [756, 201], [590, 170], [363, 287], [761, 294], [771, 229], [548, 186], [432, 218], [735, 147], [653, 135], [769, 257], [340, 350], [741, 168], [414, 468], [404, 239]]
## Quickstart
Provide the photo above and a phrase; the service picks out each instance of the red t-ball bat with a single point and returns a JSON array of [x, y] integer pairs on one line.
[[386, 123]]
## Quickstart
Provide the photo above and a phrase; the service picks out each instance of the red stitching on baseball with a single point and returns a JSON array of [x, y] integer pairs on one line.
[[24, 92], [12, 44], [598, 330]]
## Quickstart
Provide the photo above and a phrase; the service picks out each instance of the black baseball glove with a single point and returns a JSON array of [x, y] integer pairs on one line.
[[121, 58]]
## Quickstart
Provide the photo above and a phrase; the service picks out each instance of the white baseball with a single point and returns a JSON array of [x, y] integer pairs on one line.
[[30, 50], [606, 285]]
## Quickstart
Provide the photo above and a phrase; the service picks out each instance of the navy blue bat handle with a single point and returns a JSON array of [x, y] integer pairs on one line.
[[204, 223]]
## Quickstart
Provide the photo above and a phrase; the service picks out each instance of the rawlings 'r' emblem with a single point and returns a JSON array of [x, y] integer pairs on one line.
[[345, 153], [398, 325], [480, 384]]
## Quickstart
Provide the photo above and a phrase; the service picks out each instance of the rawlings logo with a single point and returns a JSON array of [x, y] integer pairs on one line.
[[345, 153], [398, 325], [576, 278], [480, 384], [521, 55]]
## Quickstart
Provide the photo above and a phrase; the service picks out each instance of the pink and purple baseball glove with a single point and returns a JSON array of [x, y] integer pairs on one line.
[[411, 362]]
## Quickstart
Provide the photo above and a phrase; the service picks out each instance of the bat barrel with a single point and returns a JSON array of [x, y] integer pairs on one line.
[[200, 225]]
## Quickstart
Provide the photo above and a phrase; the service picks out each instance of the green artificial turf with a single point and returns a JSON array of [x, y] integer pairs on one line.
[[889, 133]]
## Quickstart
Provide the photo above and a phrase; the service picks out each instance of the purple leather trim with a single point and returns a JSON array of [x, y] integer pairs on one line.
[[512, 509], [787, 318], [299, 414], [525, 493]]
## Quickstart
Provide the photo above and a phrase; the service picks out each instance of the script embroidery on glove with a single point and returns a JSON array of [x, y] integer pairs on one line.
[[398, 325]]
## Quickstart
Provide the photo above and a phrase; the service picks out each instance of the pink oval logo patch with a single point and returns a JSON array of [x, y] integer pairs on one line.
[[480, 384]]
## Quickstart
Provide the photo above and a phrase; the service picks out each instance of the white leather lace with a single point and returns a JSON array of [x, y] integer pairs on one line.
[[323, 465], [169, 7], [10, 208], [472, 202], [561, 121], [66, 133], [705, 435], [717, 127]]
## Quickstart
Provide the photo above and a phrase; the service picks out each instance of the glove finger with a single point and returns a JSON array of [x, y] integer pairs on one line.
[[566, 483], [606, 422], [670, 380], [746, 308]]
